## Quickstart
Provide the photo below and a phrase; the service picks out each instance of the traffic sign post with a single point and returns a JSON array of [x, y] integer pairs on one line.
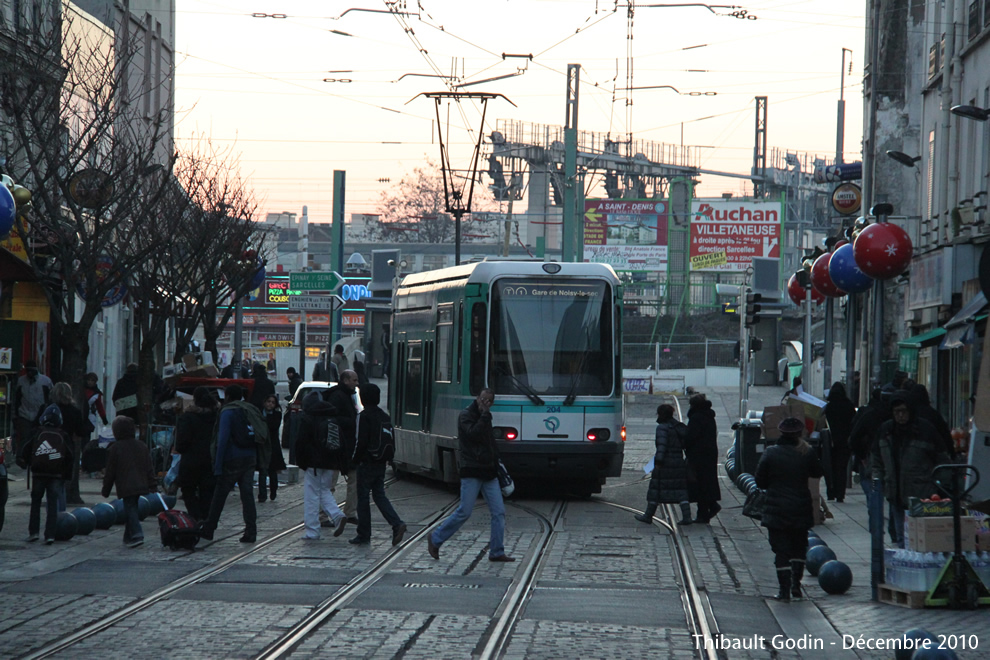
[[315, 281], [311, 303]]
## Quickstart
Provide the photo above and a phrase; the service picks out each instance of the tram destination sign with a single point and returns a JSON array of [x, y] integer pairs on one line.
[[316, 281], [311, 303]]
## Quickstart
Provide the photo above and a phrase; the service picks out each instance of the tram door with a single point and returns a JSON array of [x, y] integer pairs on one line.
[[412, 399]]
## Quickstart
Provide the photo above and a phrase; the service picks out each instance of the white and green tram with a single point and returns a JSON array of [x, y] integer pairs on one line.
[[545, 336]]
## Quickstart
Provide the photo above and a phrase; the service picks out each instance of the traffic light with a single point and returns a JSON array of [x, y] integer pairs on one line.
[[753, 308]]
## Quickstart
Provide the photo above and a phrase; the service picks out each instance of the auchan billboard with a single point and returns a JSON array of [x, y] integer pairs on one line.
[[741, 229]]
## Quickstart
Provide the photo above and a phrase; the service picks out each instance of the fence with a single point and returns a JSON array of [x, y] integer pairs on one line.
[[666, 357]]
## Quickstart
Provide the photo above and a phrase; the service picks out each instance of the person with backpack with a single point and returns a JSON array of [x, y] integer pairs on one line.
[[50, 460], [375, 448], [241, 430], [324, 445], [129, 468]]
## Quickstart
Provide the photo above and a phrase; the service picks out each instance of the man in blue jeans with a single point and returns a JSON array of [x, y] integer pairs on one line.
[[478, 463], [234, 463]]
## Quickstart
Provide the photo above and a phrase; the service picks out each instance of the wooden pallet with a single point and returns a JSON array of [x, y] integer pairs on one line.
[[893, 595]]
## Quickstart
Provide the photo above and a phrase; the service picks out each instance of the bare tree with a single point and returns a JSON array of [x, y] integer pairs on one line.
[[89, 150], [224, 246], [413, 211]]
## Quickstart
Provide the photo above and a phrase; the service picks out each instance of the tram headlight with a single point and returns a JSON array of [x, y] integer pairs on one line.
[[599, 435], [505, 433]]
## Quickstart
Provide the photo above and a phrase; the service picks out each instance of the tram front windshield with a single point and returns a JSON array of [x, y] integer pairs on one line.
[[551, 337]]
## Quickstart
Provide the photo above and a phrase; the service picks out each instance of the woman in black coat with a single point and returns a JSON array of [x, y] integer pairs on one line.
[[263, 387], [839, 413], [701, 450], [193, 437], [272, 412], [669, 481], [783, 471]]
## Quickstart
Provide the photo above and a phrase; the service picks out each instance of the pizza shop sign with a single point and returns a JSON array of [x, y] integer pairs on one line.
[[277, 292]]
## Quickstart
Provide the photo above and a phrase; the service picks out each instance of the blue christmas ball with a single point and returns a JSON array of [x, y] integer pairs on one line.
[[145, 507], [259, 277], [845, 273], [934, 653], [835, 577], [8, 210], [65, 526], [915, 635], [120, 514], [170, 501], [105, 515], [816, 558], [86, 520], [814, 541]]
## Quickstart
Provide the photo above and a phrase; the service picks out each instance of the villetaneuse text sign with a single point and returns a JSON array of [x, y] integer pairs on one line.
[[277, 292]]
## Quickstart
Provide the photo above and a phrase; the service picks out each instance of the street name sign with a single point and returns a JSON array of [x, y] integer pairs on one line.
[[311, 303], [316, 281]]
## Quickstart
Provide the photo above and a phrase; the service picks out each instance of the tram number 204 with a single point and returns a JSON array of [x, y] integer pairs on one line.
[[553, 409]]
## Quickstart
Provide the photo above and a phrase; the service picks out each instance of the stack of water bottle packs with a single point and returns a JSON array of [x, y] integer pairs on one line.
[[919, 571]]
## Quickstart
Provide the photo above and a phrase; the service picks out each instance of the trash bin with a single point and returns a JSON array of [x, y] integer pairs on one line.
[[749, 443]]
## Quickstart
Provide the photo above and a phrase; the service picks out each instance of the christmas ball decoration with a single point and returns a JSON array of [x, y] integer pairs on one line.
[[934, 652], [839, 243], [8, 211], [119, 512], [835, 577], [846, 274], [86, 520], [883, 250], [170, 501], [65, 526], [145, 508], [105, 515], [816, 558], [821, 280], [916, 637], [797, 294], [259, 276]]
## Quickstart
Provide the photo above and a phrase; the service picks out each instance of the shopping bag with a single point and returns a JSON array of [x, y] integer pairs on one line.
[[755, 502]]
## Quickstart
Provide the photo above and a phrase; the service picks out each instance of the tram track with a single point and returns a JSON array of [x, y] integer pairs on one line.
[[199, 576]]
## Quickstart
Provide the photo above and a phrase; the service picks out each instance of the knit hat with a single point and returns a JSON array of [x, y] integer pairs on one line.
[[123, 427], [791, 426]]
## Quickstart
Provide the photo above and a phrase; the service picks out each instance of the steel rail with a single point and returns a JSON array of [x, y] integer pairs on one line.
[[284, 646], [510, 609]]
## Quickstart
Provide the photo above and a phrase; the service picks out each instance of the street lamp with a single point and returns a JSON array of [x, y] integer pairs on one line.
[[970, 112], [903, 158]]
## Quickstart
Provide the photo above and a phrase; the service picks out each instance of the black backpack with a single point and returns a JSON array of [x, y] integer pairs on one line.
[[50, 456], [381, 444], [241, 432]]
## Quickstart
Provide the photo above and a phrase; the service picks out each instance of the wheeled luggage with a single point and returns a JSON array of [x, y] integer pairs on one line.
[[178, 529]]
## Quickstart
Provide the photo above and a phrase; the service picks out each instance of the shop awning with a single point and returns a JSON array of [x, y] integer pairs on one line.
[[923, 340], [13, 269], [960, 330]]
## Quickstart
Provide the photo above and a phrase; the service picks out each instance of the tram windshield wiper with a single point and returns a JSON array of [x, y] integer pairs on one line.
[[575, 379], [522, 387]]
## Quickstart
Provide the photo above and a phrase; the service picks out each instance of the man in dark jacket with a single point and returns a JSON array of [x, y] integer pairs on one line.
[[193, 437], [701, 451], [295, 380], [129, 467], [234, 463], [341, 397], [908, 449], [124, 396], [478, 462], [862, 442], [921, 404], [263, 387], [324, 443], [373, 424]]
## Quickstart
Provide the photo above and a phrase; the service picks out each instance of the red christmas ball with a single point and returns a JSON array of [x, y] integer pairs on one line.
[[883, 250], [821, 280], [839, 243], [797, 294]]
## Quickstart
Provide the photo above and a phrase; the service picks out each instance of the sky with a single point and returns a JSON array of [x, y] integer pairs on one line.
[[300, 88]]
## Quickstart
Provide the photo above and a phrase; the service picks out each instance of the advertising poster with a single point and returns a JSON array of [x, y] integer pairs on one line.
[[738, 228], [627, 234]]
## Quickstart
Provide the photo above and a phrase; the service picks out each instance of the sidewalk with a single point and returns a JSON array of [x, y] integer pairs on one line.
[[853, 614]]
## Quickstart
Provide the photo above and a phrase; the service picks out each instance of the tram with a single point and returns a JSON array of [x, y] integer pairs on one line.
[[545, 336]]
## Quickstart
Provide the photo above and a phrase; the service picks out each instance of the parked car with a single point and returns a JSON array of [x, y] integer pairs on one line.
[[293, 412]]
